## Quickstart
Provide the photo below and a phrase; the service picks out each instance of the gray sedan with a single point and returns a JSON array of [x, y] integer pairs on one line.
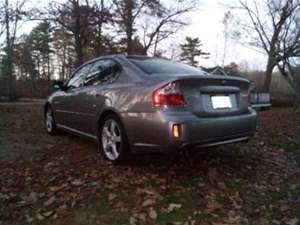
[[131, 104]]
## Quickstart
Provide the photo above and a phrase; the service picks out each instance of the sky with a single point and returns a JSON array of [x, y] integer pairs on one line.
[[206, 24]]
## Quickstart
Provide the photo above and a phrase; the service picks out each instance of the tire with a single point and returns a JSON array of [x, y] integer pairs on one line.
[[50, 122], [113, 141]]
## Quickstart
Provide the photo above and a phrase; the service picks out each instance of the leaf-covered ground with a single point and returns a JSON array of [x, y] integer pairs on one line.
[[63, 179]]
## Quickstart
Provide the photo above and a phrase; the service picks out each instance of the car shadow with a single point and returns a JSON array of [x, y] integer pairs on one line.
[[236, 159], [229, 157]]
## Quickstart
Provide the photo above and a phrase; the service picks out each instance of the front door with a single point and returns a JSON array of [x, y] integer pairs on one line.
[[70, 103]]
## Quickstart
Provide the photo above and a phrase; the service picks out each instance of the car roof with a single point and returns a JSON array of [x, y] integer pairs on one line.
[[121, 55]]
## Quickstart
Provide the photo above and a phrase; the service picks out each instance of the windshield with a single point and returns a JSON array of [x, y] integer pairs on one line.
[[164, 66]]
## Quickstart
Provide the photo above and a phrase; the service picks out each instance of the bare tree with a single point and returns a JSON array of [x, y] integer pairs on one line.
[[65, 52], [73, 17], [11, 15], [100, 18], [162, 27], [127, 13], [227, 20], [274, 22], [291, 73]]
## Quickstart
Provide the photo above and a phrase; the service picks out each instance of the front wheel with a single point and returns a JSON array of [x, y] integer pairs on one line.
[[50, 122], [113, 140]]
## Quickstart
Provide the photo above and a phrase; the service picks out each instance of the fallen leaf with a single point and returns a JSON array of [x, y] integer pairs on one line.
[[40, 217], [32, 198], [47, 214], [142, 216], [54, 217], [284, 208], [4, 196], [50, 201], [201, 184], [293, 221], [133, 221], [153, 214], [77, 182], [61, 209], [148, 202], [29, 219], [111, 197], [58, 188], [173, 206]]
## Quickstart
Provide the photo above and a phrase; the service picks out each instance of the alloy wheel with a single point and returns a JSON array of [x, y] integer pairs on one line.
[[111, 139], [49, 121]]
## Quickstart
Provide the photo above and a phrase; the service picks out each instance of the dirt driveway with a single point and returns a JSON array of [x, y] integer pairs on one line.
[[63, 180]]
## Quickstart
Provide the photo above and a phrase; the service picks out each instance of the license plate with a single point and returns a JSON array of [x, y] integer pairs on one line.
[[221, 102]]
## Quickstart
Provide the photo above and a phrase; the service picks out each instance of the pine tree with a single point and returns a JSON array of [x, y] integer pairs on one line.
[[190, 50], [40, 45]]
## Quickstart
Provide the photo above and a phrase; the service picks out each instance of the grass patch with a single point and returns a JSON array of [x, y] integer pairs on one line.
[[192, 182], [7, 151], [92, 215], [290, 146], [98, 210], [189, 203], [287, 144]]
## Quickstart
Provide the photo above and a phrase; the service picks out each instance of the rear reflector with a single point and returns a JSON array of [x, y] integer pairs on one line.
[[169, 94], [176, 130]]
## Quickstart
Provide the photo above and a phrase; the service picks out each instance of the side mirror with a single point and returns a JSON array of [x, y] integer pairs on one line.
[[58, 85]]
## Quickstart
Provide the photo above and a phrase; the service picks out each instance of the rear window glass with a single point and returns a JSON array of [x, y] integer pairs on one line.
[[164, 66]]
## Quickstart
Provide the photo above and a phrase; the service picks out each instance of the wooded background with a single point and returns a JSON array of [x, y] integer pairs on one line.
[[69, 33]]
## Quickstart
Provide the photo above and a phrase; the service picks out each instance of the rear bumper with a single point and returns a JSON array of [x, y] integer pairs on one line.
[[196, 132]]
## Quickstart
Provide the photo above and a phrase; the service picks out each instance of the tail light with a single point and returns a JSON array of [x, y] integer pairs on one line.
[[169, 94]]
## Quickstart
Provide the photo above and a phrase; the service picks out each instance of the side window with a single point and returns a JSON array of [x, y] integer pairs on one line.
[[102, 71], [78, 78]]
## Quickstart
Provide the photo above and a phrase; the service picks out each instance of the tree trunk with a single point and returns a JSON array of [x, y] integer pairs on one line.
[[129, 41], [78, 50], [49, 74], [9, 64], [155, 45], [63, 67], [297, 103], [77, 34], [268, 74], [129, 26], [99, 47]]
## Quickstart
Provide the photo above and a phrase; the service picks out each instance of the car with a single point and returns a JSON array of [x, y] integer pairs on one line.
[[135, 104]]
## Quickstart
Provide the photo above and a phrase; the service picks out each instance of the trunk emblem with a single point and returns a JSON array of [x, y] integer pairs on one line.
[[223, 82]]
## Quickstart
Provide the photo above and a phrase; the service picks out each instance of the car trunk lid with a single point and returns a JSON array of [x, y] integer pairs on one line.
[[209, 96]]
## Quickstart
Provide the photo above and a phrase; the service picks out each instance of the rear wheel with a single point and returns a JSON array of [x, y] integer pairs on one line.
[[49, 121], [113, 140]]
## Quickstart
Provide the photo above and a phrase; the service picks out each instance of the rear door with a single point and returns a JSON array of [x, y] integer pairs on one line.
[[101, 75]]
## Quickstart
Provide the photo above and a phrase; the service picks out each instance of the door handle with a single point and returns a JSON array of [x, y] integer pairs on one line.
[[94, 93]]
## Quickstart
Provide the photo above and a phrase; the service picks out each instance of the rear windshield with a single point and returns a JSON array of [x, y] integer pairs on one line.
[[164, 66]]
